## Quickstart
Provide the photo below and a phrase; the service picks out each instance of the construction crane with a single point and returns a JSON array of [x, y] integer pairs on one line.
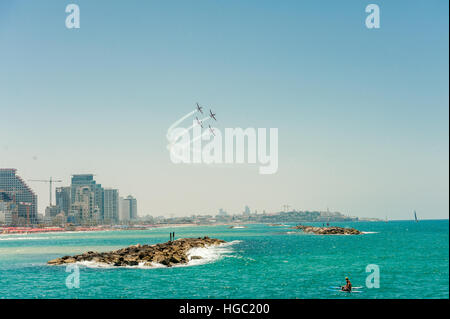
[[50, 181]]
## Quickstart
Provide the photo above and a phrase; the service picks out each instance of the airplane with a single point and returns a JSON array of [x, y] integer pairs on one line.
[[212, 115], [212, 131], [199, 122], [199, 108]]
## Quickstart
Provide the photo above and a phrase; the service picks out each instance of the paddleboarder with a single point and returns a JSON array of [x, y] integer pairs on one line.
[[348, 286]]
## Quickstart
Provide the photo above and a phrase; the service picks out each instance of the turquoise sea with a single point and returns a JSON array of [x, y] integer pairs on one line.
[[262, 261]]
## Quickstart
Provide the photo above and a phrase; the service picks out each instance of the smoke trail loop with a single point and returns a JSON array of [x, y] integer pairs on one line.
[[175, 124], [174, 139]]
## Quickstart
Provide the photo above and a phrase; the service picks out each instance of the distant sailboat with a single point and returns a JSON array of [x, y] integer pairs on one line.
[[415, 217]]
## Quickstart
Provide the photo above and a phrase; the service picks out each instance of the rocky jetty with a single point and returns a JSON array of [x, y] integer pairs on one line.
[[169, 253], [328, 230]]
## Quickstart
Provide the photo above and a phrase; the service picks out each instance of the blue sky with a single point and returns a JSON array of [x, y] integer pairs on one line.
[[362, 114]]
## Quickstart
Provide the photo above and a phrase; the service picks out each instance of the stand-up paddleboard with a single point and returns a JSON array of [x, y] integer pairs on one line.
[[350, 292], [339, 289]]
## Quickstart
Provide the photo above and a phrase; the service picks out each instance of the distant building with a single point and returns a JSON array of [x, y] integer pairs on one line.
[[83, 209], [128, 209], [63, 199], [59, 220], [52, 211], [54, 216], [246, 210], [110, 205], [21, 195], [86, 197], [6, 212], [124, 210], [40, 218], [222, 212]]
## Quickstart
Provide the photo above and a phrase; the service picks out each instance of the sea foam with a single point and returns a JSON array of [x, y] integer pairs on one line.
[[208, 255], [23, 238]]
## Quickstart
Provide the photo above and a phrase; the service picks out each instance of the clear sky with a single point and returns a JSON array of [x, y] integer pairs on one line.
[[362, 113]]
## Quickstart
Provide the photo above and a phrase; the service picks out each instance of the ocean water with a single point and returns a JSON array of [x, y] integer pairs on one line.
[[260, 261]]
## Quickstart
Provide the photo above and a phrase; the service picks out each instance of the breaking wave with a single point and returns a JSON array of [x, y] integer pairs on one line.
[[210, 254], [23, 238]]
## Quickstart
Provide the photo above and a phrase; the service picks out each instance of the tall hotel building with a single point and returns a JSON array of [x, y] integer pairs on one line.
[[110, 206], [128, 209], [63, 199], [24, 197], [87, 180]]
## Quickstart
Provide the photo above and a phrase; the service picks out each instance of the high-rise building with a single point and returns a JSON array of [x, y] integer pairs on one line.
[[133, 207], [63, 199], [84, 188], [83, 209], [124, 210], [128, 208], [110, 205], [22, 195]]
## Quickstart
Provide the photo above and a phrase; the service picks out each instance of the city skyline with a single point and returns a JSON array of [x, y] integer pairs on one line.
[[362, 114], [132, 213], [83, 202]]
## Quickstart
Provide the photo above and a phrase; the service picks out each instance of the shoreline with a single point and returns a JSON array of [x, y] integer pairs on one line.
[[56, 230], [5, 231]]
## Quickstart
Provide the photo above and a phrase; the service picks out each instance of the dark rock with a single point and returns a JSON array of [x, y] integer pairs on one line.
[[328, 230], [168, 254]]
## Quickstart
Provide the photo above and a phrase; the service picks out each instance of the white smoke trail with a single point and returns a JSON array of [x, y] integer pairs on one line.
[[195, 139], [175, 124], [181, 147], [175, 138], [201, 121]]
